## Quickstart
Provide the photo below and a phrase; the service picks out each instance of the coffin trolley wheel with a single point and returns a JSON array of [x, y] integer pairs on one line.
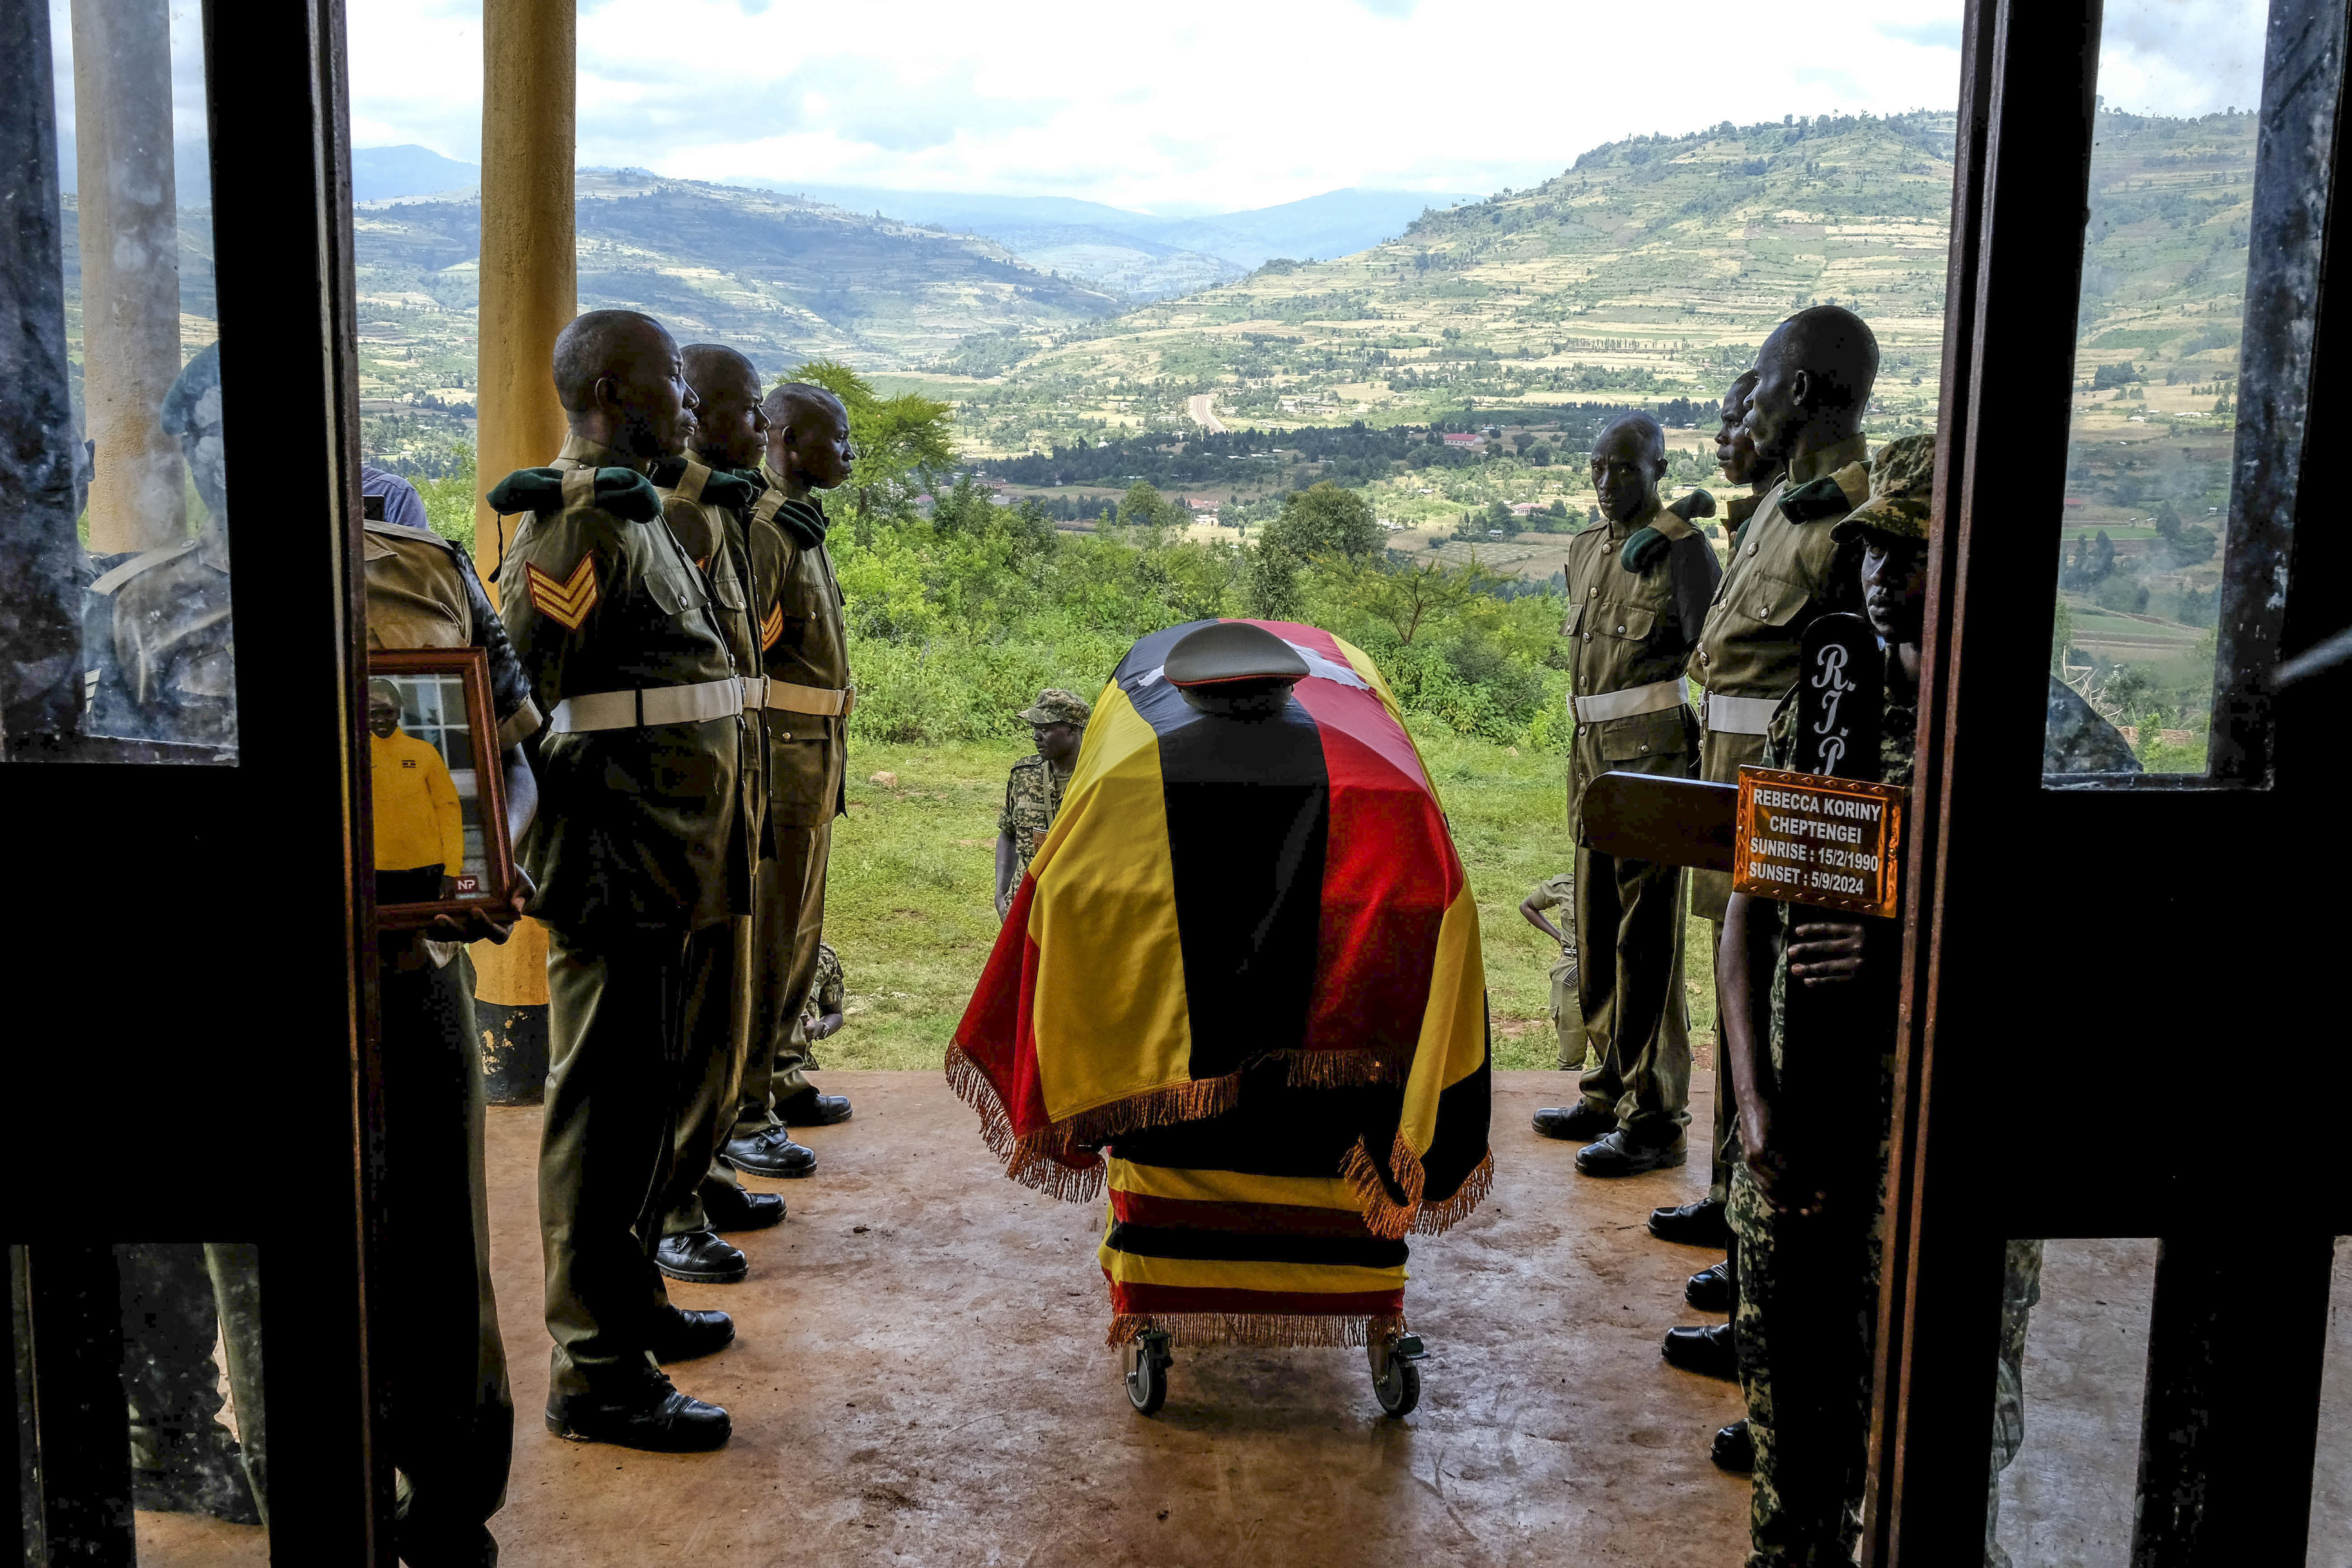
[[1146, 1363], [1396, 1373]]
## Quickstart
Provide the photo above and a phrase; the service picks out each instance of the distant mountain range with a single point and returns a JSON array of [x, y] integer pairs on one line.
[[1140, 255], [1648, 270], [1136, 256], [782, 278]]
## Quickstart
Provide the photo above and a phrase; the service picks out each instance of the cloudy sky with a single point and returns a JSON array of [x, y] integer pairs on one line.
[[1208, 105]]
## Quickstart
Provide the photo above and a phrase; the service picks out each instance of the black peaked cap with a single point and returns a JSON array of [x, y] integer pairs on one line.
[[1232, 651]]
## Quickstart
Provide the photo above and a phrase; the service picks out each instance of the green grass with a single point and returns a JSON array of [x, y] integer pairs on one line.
[[909, 900]]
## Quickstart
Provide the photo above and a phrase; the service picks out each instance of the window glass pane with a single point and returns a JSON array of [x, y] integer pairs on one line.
[[138, 1391], [2331, 1479], [147, 426], [2160, 515], [2068, 1387]]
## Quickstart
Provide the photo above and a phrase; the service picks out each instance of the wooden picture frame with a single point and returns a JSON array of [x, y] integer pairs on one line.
[[426, 678]]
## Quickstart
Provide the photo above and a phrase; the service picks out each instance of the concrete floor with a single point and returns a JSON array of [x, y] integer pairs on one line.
[[919, 1377]]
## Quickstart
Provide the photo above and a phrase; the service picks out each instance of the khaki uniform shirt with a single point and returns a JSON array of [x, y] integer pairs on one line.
[[173, 675], [422, 593], [717, 540], [1033, 795], [802, 641], [641, 828], [1628, 630], [1783, 576]]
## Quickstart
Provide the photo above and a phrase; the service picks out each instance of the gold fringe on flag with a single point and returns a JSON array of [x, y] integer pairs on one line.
[[1387, 1218], [1268, 1331]]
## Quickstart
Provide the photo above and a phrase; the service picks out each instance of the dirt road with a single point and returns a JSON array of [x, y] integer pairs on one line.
[[1200, 406]]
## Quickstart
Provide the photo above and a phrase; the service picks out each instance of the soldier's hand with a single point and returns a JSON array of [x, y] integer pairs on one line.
[[1826, 953], [487, 922], [1788, 1192]]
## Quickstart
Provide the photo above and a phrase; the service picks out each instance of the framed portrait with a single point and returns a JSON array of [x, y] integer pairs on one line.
[[437, 787]]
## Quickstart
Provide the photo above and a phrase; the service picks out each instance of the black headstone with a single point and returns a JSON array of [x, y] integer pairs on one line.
[[1841, 698]]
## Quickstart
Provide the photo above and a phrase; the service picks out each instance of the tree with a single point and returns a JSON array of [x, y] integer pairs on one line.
[[1538, 456], [1144, 507], [901, 441], [1324, 519], [1409, 598]]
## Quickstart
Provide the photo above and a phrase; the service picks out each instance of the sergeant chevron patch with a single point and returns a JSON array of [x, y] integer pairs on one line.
[[566, 603], [773, 626]]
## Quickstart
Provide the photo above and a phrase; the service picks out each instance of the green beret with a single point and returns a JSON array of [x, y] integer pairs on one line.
[[729, 487], [1644, 549], [624, 492]]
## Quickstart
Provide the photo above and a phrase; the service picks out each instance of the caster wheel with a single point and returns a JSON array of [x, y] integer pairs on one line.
[[1146, 1363], [1396, 1375]]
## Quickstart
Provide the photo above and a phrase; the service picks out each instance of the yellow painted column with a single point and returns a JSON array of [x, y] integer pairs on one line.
[[528, 291], [129, 234]]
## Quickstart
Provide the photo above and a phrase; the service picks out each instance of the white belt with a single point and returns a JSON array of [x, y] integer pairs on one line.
[[825, 700], [1655, 698], [1741, 715], [654, 705]]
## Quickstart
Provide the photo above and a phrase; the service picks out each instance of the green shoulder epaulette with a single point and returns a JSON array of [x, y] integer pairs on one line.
[[1828, 497], [624, 492]]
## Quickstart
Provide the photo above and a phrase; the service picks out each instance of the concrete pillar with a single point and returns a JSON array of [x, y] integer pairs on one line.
[[528, 291], [130, 268]]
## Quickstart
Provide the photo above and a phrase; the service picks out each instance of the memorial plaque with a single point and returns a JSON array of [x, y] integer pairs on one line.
[[1803, 838]]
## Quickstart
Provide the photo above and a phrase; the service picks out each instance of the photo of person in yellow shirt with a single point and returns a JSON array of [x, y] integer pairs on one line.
[[420, 832]]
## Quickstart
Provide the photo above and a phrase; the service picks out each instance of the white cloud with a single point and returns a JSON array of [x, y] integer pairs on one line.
[[1216, 104]]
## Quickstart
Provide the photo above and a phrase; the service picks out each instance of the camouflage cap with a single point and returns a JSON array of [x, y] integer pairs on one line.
[[1902, 484], [1055, 706]]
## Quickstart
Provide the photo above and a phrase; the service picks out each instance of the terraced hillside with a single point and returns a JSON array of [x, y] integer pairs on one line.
[[1649, 270]]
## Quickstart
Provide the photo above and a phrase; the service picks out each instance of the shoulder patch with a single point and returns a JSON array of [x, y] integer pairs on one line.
[[1673, 525], [567, 601]]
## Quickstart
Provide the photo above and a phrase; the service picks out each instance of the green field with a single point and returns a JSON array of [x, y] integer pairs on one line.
[[909, 905]]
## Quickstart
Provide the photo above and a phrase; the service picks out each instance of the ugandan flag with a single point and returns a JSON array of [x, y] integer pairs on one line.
[[1232, 910]]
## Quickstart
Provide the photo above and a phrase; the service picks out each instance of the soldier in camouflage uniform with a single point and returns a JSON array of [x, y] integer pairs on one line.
[[1806, 1198], [643, 863], [821, 1019], [1566, 1014], [1058, 722], [1638, 590]]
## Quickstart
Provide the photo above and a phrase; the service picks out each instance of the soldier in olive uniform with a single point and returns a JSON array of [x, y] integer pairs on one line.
[[162, 648], [1701, 1223], [1033, 794], [708, 504], [1806, 1199], [642, 861], [452, 1420], [806, 705], [1638, 590], [1566, 1014]]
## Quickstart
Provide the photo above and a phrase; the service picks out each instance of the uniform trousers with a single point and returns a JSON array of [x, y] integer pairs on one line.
[[1725, 1146], [177, 1297], [1568, 1013], [718, 1004], [451, 1420], [788, 900], [624, 1064], [1629, 949]]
